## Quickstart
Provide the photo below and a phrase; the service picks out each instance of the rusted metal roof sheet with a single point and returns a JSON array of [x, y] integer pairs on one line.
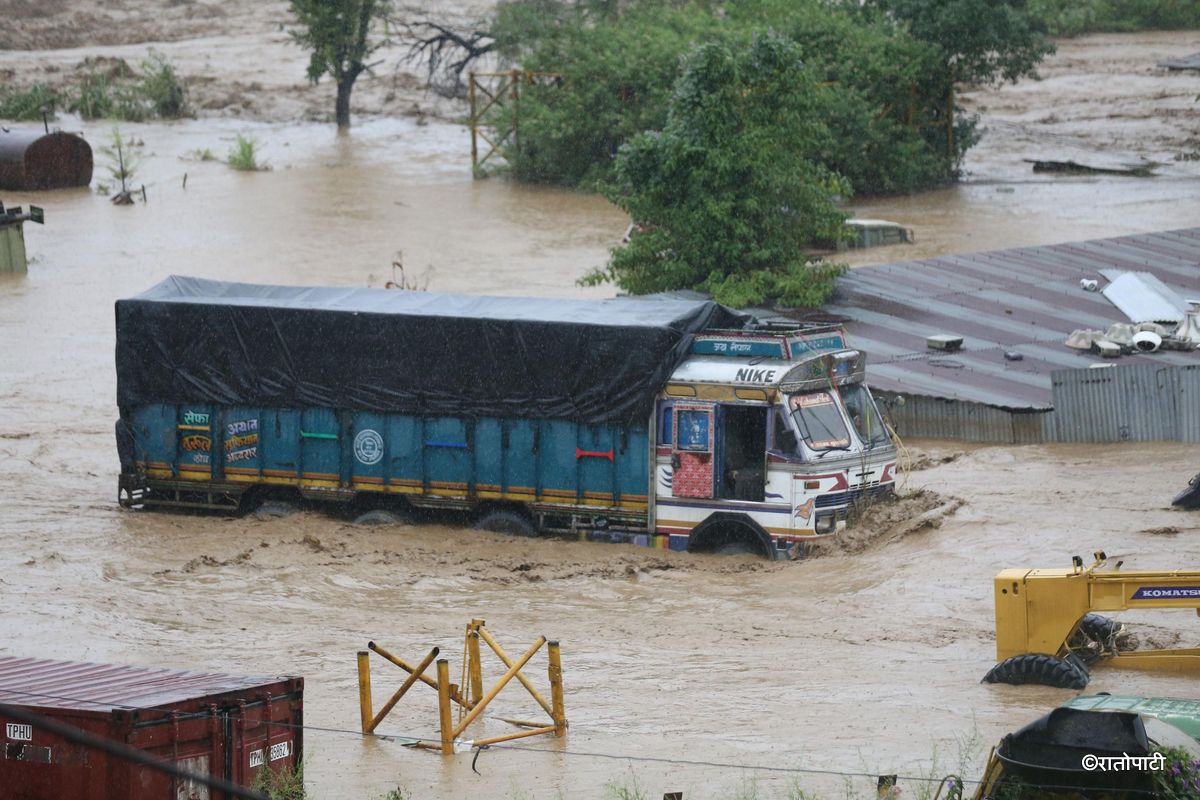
[[34, 160], [1026, 300], [82, 686]]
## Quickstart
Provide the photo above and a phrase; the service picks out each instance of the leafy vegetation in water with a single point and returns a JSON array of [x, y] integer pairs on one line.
[[27, 104], [119, 93], [729, 192], [243, 156], [732, 165]]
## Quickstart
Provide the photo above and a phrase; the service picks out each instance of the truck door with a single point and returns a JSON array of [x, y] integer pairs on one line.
[[692, 453]]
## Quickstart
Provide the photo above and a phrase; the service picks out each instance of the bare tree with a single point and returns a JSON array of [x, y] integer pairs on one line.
[[338, 32]]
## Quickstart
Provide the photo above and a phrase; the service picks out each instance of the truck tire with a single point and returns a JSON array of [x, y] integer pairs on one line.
[[728, 533], [1039, 668], [508, 522], [275, 509], [382, 516]]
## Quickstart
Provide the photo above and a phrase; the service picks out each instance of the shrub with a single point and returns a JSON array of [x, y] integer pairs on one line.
[[27, 104], [243, 156], [160, 88]]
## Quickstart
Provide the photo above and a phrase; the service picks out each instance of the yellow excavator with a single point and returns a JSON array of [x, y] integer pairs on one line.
[[1048, 631]]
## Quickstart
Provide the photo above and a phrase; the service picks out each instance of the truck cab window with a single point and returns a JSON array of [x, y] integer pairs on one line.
[[864, 415], [820, 421]]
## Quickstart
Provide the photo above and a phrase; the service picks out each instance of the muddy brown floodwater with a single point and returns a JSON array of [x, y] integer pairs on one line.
[[866, 659]]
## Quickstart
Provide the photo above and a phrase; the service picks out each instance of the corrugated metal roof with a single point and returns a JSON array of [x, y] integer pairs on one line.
[[83, 686], [1026, 300]]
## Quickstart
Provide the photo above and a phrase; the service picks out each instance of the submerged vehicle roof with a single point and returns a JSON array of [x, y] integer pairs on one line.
[[197, 341], [1181, 713]]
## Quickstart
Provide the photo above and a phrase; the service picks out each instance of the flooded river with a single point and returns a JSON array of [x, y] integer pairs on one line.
[[862, 663]]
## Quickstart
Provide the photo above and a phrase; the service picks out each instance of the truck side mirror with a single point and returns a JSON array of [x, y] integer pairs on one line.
[[675, 461]]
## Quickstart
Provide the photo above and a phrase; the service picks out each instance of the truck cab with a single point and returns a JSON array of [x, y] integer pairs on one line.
[[764, 440]]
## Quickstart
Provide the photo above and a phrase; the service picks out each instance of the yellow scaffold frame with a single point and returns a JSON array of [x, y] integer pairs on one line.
[[477, 700]]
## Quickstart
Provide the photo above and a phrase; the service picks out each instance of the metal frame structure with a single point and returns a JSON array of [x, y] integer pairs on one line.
[[507, 88], [472, 704]]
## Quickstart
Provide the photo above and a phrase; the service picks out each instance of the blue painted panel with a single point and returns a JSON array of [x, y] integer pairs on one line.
[[829, 341], [596, 473], [488, 454], [633, 461], [368, 446], [447, 452], [241, 438], [519, 458], [154, 436], [281, 443], [320, 448], [404, 449], [556, 462]]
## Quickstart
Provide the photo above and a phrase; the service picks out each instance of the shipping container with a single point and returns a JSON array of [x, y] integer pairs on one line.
[[226, 726]]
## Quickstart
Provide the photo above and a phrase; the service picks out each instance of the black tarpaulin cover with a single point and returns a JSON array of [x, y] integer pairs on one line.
[[191, 340]]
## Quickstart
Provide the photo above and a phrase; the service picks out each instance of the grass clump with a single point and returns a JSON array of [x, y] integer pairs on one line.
[[284, 783], [27, 104], [243, 156]]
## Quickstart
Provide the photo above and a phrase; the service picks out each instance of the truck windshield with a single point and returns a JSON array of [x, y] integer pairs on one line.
[[864, 414], [820, 421]]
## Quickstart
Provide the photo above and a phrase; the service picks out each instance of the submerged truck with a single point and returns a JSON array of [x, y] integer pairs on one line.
[[672, 423]]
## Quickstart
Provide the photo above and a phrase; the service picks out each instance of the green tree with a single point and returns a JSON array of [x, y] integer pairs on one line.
[[338, 32], [981, 41], [727, 196], [884, 99]]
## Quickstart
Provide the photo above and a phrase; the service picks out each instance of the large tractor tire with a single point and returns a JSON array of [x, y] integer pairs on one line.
[[1099, 627], [1039, 668], [1113, 636]]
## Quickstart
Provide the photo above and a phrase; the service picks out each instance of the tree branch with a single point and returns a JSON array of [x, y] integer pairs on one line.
[[446, 52]]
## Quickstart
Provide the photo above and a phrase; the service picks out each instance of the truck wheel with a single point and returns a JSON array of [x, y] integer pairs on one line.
[[509, 522], [382, 516], [730, 534], [1039, 668], [274, 509]]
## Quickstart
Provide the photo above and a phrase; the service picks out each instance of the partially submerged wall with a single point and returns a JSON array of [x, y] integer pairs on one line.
[[1145, 402]]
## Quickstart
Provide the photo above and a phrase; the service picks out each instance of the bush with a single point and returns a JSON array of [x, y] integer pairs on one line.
[[27, 104], [1074, 17], [157, 93], [160, 88], [243, 156]]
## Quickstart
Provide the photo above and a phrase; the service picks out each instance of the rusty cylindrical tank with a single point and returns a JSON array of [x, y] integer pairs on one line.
[[32, 160]]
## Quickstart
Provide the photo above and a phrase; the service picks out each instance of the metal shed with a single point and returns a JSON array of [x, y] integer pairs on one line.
[[1014, 380], [35, 160]]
